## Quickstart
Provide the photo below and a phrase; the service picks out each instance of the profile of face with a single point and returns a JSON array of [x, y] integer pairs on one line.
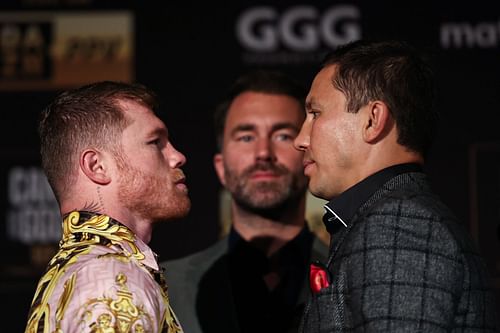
[[330, 138], [258, 164], [151, 182]]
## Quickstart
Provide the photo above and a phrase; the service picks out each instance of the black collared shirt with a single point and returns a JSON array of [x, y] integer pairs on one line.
[[344, 207], [258, 308]]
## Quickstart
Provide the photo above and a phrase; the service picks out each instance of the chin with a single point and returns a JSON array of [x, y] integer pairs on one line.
[[319, 194], [173, 212], [181, 210]]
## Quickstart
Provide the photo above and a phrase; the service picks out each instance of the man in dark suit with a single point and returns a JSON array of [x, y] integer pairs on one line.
[[399, 260], [254, 279]]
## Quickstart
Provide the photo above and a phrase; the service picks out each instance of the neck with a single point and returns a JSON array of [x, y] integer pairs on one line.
[[269, 231], [379, 157], [104, 200]]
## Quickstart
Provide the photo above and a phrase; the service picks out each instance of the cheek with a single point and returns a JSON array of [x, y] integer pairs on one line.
[[236, 159], [333, 135], [238, 154], [322, 138], [152, 166]]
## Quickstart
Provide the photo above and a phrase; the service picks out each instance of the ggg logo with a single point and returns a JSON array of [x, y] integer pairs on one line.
[[300, 28]]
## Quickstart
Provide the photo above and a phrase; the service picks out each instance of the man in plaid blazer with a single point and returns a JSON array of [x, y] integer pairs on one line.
[[399, 260]]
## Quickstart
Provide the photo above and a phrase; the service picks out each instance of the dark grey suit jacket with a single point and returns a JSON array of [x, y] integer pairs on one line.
[[403, 264], [200, 290]]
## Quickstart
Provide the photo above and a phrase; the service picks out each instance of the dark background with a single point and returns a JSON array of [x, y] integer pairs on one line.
[[190, 53]]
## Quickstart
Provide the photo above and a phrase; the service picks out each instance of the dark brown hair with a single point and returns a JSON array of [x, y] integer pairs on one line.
[[395, 73], [89, 116], [263, 81]]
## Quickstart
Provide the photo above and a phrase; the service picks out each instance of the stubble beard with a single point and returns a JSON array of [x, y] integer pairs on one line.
[[267, 196], [151, 197]]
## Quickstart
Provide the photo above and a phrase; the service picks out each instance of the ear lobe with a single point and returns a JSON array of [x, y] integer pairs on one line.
[[94, 167], [219, 168], [377, 123]]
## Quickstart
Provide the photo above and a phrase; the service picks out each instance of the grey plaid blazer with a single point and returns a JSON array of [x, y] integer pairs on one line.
[[403, 264]]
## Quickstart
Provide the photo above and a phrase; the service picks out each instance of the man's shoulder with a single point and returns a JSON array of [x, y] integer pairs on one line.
[[415, 202], [407, 193], [196, 263], [415, 211]]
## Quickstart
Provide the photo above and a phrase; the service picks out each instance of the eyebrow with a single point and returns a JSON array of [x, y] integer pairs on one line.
[[242, 128], [312, 104], [275, 127], [158, 131], [285, 125]]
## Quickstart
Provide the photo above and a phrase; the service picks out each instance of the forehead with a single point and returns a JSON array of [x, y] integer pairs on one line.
[[323, 80], [135, 111], [322, 87], [261, 108], [139, 115]]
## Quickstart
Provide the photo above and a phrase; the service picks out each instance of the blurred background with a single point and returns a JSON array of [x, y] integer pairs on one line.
[[189, 54]]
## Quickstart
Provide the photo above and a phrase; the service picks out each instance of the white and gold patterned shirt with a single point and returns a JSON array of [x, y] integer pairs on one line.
[[103, 279]]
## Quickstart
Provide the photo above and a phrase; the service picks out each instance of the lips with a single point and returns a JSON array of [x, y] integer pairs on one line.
[[264, 174], [307, 166], [264, 170], [305, 163], [181, 184]]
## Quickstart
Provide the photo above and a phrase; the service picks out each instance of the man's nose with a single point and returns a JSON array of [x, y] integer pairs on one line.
[[175, 157], [265, 150], [302, 140]]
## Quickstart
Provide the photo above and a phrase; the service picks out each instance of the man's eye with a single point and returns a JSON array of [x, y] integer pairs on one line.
[[245, 138], [155, 142], [284, 137], [314, 114]]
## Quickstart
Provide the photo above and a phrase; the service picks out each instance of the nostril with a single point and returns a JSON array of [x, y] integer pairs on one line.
[[266, 157]]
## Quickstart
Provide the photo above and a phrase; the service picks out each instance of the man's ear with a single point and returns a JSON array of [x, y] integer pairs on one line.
[[378, 121], [219, 168], [93, 164]]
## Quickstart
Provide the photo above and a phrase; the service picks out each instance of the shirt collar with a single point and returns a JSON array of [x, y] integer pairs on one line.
[[302, 242], [84, 227], [150, 257], [344, 207]]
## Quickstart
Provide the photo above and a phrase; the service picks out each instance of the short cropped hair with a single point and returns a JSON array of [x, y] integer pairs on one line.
[[261, 81], [395, 73], [89, 116]]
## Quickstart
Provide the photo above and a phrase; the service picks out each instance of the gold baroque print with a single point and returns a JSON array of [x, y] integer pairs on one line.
[[98, 229], [172, 323], [79, 234], [69, 287], [117, 315], [39, 315]]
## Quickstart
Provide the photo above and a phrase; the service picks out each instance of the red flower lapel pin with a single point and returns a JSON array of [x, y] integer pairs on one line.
[[319, 277]]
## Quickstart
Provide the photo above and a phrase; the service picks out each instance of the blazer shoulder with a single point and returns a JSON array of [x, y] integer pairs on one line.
[[420, 215], [194, 265], [413, 197]]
